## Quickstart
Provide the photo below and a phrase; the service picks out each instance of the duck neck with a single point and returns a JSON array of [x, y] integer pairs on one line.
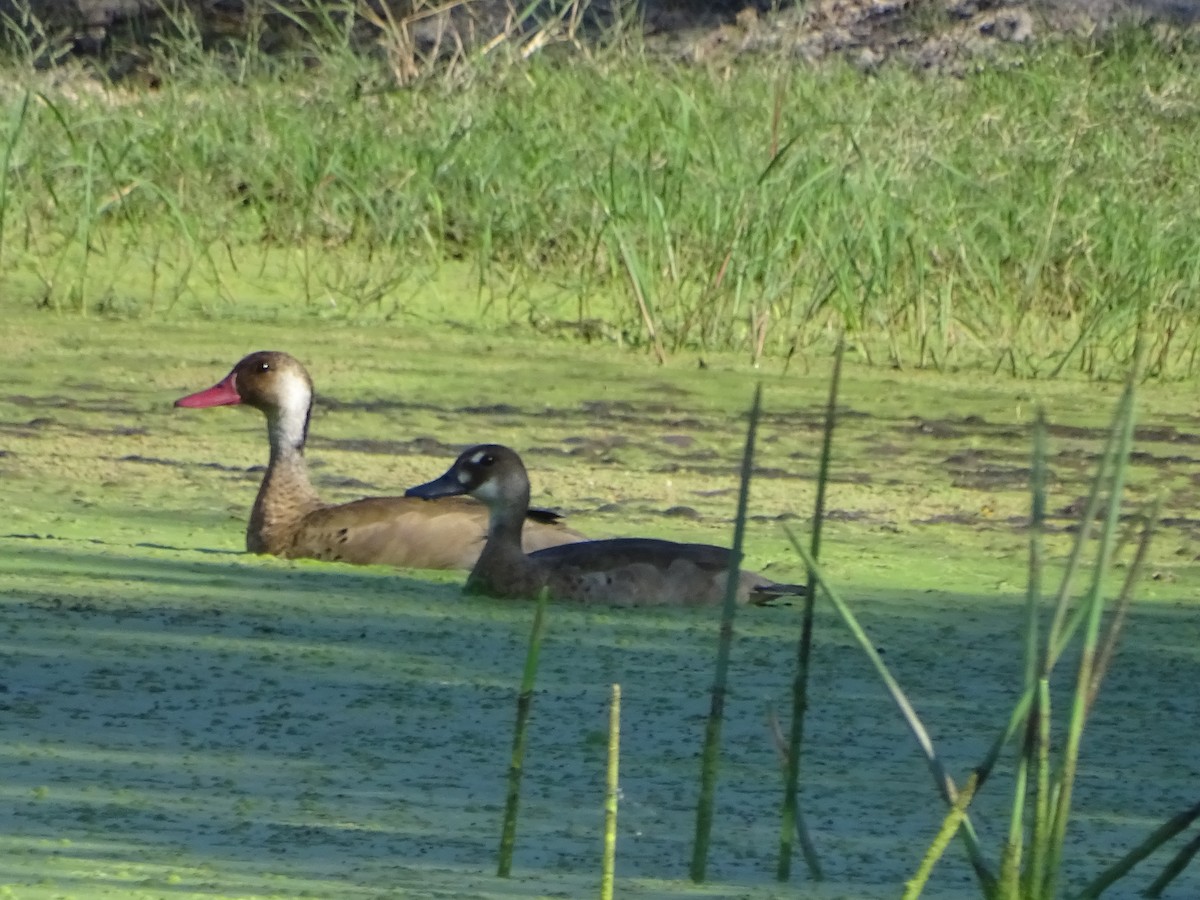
[[502, 553], [286, 495], [287, 429]]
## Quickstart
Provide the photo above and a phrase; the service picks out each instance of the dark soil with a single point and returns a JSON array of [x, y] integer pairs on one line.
[[942, 35]]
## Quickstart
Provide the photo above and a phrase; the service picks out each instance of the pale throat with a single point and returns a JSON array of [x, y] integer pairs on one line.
[[288, 428], [506, 508]]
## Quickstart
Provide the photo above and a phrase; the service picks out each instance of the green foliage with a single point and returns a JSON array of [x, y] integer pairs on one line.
[[1033, 218], [1045, 778]]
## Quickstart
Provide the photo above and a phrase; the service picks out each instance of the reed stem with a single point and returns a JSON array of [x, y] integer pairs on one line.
[[1010, 861], [508, 833], [712, 732], [937, 849], [945, 785], [790, 824], [1123, 866], [611, 794], [1122, 433]]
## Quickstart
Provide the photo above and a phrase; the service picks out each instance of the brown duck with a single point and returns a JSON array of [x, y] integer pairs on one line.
[[620, 572], [289, 518]]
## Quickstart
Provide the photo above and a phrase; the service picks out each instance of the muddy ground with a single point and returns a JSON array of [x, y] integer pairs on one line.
[[949, 36]]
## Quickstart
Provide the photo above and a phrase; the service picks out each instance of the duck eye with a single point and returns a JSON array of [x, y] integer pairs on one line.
[[482, 459], [264, 366]]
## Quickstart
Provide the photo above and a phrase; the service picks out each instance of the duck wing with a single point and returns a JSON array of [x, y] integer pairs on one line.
[[650, 572], [408, 532], [607, 554], [635, 572]]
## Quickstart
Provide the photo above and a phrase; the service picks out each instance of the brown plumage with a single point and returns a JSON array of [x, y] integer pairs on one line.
[[289, 518], [620, 572]]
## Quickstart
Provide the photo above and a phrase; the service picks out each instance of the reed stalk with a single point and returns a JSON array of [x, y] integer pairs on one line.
[[1009, 884], [508, 833], [791, 823], [1177, 864], [1044, 796], [1169, 829], [15, 129], [1053, 789], [937, 849], [638, 286], [943, 782], [1059, 636], [1094, 606], [611, 795], [1062, 629], [712, 731], [1124, 599], [86, 222], [1055, 640]]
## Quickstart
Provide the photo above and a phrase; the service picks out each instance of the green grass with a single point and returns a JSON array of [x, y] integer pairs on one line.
[[1030, 217]]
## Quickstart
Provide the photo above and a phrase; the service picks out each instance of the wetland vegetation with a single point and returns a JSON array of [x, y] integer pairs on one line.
[[1028, 218], [477, 257]]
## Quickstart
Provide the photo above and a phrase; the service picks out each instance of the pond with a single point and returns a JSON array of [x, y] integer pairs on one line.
[[186, 719]]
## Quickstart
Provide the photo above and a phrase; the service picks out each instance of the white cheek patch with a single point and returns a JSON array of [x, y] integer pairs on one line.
[[463, 476], [294, 399], [488, 491], [294, 394]]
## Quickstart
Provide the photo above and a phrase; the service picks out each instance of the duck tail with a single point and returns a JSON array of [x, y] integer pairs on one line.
[[766, 594]]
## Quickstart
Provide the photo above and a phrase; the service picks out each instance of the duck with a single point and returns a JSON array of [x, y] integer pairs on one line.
[[290, 520], [615, 572]]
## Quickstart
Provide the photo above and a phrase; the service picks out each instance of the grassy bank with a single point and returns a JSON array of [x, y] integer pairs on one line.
[[1030, 217]]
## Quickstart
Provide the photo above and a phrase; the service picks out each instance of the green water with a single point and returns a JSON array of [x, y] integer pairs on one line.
[[187, 720]]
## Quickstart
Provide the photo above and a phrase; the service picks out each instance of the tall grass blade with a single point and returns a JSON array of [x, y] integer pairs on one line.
[[1049, 792], [1174, 867], [185, 229], [86, 221], [807, 847], [1056, 639], [1124, 599], [1010, 861], [712, 731], [937, 849], [611, 794], [945, 785], [1064, 627], [761, 239], [638, 285], [1094, 605], [1043, 799], [1037, 548], [15, 129], [1123, 866], [508, 833], [791, 813]]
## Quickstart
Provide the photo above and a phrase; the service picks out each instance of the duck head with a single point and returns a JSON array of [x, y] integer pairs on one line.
[[271, 381], [267, 380], [491, 473]]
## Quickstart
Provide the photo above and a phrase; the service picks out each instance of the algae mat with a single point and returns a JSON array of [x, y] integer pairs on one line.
[[183, 719]]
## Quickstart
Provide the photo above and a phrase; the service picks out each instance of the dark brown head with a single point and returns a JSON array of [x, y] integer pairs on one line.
[[268, 380], [271, 381], [491, 473]]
